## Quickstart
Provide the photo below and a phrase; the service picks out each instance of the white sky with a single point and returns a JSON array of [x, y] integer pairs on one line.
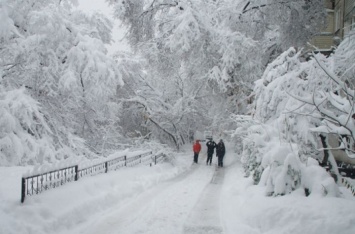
[[95, 5], [91, 6]]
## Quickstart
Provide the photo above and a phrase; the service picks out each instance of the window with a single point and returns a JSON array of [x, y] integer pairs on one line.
[[337, 20], [347, 26]]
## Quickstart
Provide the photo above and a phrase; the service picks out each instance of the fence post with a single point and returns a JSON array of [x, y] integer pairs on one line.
[[155, 160], [106, 165], [125, 161], [23, 189], [76, 173]]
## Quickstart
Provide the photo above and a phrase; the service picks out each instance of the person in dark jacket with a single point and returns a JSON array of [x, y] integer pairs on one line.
[[220, 151], [210, 150]]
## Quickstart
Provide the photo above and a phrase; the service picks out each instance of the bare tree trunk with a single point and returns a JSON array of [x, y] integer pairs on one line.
[[170, 134], [325, 149]]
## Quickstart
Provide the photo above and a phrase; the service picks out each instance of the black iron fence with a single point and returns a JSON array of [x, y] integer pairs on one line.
[[348, 185], [345, 171], [35, 184]]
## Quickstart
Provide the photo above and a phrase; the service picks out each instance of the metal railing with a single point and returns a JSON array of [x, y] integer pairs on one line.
[[348, 185], [345, 173], [157, 159], [35, 184]]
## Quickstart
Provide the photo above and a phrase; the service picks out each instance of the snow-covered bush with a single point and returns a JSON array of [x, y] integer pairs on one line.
[[253, 144], [241, 123], [269, 161], [317, 181], [279, 167], [282, 173], [287, 103]]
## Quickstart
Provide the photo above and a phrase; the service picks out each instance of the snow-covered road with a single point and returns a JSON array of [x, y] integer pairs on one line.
[[188, 203], [174, 197], [205, 216]]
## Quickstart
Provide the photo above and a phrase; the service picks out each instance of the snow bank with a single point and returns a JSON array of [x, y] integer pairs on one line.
[[246, 209]]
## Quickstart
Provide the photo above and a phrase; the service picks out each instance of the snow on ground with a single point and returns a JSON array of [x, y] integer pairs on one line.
[[64, 208], [249, 211], [178, 197]]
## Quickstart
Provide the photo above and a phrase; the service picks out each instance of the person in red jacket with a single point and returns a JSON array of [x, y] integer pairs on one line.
[[196, 148]]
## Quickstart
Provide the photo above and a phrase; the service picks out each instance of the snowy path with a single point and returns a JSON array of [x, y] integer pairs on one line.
[[166, 208], [170, 198], [205, 217]]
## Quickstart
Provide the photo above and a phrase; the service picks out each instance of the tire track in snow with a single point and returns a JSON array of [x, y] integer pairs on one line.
[[205, 217]]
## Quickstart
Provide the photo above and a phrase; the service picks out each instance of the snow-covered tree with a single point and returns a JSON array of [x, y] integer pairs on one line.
[[335, 106], [58, 55], [225, 44], [280, 24], [192, 38], [166, 109], [300, 103], [24, 135]]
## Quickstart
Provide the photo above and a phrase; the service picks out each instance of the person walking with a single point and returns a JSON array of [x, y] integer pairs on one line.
[[210, 150], [196, 148], [220, 152]]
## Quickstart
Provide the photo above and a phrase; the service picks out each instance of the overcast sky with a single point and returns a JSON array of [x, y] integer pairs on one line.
[[95, 5], [91, 6]]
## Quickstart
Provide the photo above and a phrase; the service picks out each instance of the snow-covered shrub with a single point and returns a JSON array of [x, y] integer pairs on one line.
[[253, 151], [279, 167], [270, 162], [316, 181], [285, 173], [283, 156], [282, 170], [242, 123]]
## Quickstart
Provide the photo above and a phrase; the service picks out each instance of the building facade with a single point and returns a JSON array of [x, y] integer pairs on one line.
[[340, 20], [349, 16]]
